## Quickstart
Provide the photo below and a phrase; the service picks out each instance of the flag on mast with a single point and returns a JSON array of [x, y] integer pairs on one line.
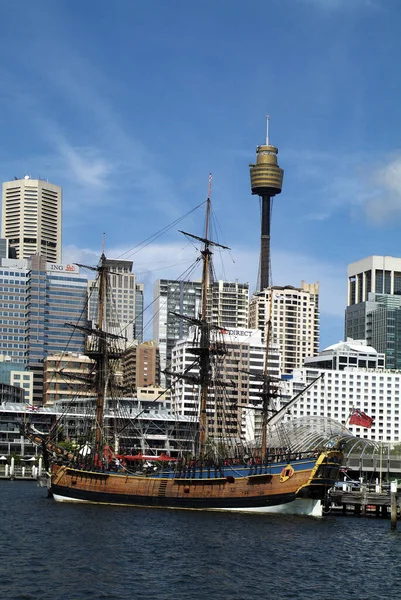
[[360, 419]]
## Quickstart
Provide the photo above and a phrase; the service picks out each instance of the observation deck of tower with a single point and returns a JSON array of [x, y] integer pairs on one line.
[[266, 182]]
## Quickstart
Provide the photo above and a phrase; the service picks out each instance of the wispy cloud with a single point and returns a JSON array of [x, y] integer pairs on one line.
[[343, 4], [86, 166], [385, 205], [175, 261], [355, 184], [91, 149]]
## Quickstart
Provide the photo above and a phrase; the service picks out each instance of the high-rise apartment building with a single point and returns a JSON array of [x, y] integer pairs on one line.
[[373, 310], [227, 306], [293, 315], [31, 218], [67, 375], [141, 366], [124, 309]]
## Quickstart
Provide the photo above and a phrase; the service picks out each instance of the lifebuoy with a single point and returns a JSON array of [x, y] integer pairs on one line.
[[286, 473]]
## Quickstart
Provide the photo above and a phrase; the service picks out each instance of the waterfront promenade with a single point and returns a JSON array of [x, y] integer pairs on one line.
[[22, 472]]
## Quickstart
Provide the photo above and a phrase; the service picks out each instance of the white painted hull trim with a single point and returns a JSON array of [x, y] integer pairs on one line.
[[310, 508]]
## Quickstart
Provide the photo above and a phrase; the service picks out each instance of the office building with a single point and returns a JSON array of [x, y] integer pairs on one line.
[[31, 218], [227, 307], [56, 295], [373, 310], [293, 314], [15, 374], [124, 309], [245, 354], [352, 354], [13, 298], [179, 297]]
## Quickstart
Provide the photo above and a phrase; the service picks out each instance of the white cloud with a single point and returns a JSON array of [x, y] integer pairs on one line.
[[174, 260], [85, 166], [356, 184], [385, 204]]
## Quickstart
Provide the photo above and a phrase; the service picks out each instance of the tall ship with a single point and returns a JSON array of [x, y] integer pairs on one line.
[[211, 470]]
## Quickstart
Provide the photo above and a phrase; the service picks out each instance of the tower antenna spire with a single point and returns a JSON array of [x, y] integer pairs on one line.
[[267, 129]]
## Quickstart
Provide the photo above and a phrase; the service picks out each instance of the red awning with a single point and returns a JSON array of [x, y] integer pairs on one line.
[[144, 457]]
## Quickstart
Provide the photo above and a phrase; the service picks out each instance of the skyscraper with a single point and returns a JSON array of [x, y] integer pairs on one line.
[[373, 310], [37, 298], [294, 321], [31, 217], [227, 307], [13, 295], [170, 296], [124, 311], [56, 294]]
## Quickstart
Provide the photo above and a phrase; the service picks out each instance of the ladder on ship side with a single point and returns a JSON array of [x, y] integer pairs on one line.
[[162, 488]]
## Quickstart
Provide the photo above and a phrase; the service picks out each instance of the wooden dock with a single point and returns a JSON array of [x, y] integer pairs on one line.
[[18, 478], [366, 501]]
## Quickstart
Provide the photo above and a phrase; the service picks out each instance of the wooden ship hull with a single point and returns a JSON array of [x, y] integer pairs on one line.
[[256, 489]]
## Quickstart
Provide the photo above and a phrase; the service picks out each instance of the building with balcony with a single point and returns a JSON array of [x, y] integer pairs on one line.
[[290, 317]]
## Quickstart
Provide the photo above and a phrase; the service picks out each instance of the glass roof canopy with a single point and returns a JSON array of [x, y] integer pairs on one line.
[[306, 434]]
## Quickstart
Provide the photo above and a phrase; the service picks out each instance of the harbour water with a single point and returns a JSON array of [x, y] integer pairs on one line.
[[53, 551]]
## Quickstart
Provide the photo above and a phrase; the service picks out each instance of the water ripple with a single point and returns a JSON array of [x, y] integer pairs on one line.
[[75, 552]]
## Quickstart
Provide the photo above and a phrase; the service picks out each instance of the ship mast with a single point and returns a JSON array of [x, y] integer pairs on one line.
[[204, 358], [102, 347], [204, 326], [267, 392], [101, 359]]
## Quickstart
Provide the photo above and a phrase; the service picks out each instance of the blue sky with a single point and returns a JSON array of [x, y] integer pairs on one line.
[[129, 105]]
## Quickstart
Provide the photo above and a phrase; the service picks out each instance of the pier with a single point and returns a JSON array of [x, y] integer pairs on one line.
[[13, 472], [366, 501]]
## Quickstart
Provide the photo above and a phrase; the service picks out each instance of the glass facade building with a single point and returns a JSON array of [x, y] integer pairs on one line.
[[37, 298], [374, 305], [13, 286], [171, 296]]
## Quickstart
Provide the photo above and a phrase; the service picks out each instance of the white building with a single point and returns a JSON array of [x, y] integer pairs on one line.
[[375, 391], [378, 274], [31, 217], [355, 354], [294, 319], [240, 396]]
